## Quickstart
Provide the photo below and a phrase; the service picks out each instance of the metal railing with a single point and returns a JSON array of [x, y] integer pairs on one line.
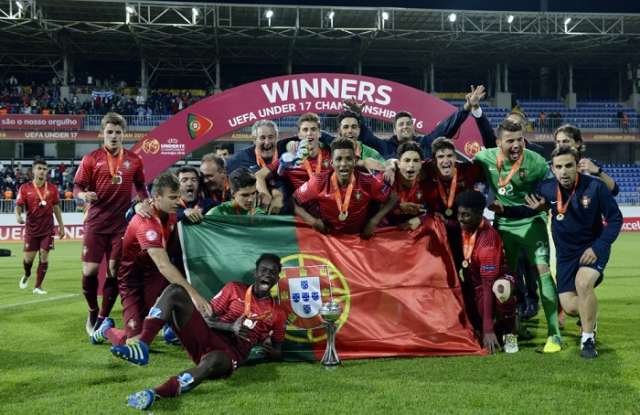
[[66, 205]]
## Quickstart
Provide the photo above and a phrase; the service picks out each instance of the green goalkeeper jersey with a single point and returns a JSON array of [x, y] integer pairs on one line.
[[533, 170]]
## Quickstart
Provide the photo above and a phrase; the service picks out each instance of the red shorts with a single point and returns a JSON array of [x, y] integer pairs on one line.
[[199, 340], [37, 243], [138, 293], [96, 245]]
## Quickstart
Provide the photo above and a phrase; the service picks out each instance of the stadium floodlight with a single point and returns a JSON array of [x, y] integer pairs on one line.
[[330, 16], [567, 20], [194, 15], [268, 15], [130, 11], [510, 19], [385, 16], [453, 17]]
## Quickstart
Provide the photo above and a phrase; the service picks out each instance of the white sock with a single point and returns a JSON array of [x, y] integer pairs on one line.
[[585, 337]]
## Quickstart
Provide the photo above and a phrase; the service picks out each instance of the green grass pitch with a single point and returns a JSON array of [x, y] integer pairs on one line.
[[47, 365]]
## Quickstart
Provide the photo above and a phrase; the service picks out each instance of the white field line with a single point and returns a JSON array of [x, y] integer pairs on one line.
[[42, 300]]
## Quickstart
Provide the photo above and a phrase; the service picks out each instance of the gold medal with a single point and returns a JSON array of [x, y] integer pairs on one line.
[[116, 180], [560, 216], [448, 212], [465, 264], [502, 191], [343, 216]]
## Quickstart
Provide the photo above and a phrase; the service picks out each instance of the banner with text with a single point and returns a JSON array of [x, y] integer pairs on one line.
[[40, 122], [292, 95]]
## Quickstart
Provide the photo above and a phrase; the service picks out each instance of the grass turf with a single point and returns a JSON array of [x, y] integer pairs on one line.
[[48, 366]]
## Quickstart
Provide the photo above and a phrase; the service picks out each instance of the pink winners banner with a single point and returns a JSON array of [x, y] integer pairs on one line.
[[292, 95], [40, 122]]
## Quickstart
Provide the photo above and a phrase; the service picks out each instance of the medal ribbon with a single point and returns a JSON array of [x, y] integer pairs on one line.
[[469, 242], [406, 194], [40, 196], [113, 170], [448, 201], [514, 168], [343, 205], [307, 165], [247, 307], [562, 207], [261, 161]]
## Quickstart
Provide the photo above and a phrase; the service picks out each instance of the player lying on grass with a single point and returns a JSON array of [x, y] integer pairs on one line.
[[243, 316]]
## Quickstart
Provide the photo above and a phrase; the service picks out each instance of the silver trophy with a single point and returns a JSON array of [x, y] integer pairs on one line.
[[330, 312]]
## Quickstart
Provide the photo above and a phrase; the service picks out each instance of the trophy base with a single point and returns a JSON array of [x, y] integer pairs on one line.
[[331, 366]]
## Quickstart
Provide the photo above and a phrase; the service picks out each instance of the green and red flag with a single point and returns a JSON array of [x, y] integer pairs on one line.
[[198, 125], [399, 291]]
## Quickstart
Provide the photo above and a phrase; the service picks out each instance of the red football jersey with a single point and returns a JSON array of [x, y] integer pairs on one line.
[[487, 263], [319, 197], [228, 305], [487, 258], [415, 194], [142, 234], [298, 175], [107, 214], [39, 218], [469, 174]]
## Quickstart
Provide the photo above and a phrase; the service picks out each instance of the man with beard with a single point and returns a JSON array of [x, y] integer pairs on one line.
[[214, 179], [513, 172], [219, 341], [486, 283], [484, 125], [243, 192], [104, 181], [404, 129], [579, 203], [341, 198], [193, 206]]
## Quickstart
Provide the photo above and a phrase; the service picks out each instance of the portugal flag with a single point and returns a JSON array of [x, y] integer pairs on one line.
[[399, 292], [198, 125]]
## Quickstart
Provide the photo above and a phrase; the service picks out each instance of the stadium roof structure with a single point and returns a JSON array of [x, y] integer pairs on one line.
[[191, 36]]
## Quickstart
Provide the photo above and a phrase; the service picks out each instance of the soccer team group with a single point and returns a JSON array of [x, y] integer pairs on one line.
[[352, 183]]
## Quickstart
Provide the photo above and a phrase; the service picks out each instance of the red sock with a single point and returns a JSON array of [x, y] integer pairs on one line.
[[117, 337], [27, 268], [150, 329], [42, 270], [90, 291], [169, 389], [109, 295]]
